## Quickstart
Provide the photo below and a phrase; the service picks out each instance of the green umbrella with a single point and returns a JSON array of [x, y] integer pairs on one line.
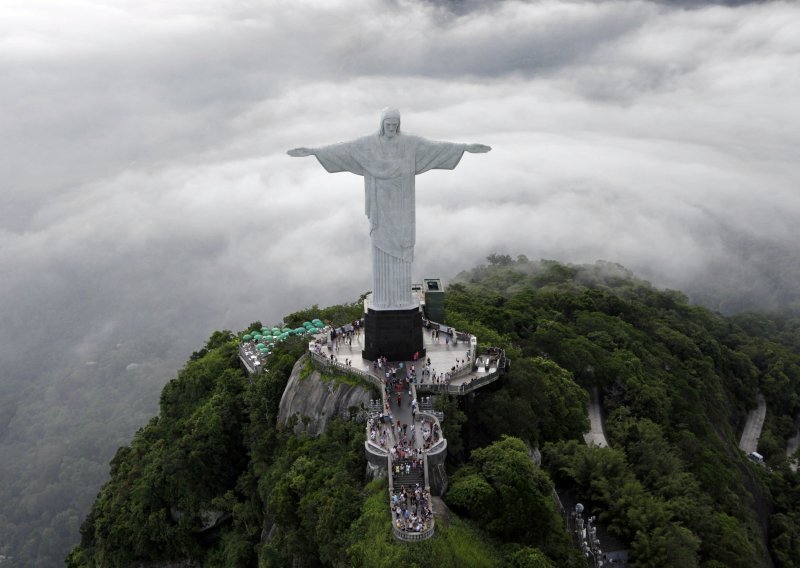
[[247, 337], [276, 331], [260, 346]]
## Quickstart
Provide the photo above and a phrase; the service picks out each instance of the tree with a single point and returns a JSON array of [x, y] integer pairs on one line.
[[527, 557], [499, 259], [504, 492], [670, 546]]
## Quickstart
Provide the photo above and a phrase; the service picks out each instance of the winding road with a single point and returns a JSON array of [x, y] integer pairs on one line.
[[793, 444], [752, 428], [595, 436]]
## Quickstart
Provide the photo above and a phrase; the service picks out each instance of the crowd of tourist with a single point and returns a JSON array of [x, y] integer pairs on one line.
[[411, 509], [431, 434], [341, 336], [380, 433], [406, 444]]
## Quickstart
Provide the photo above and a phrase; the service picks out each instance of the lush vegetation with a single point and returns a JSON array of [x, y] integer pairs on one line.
[[213, 480], [677, 381]]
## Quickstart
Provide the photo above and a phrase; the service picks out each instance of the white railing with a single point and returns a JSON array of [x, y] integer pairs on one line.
[[325, 364], [411, 536], [461, 389]]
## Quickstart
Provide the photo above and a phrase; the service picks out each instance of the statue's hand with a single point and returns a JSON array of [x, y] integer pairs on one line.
[[478, 148], [300, 152]]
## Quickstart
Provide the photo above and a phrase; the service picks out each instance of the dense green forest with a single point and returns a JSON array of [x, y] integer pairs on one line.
[[212, 479]]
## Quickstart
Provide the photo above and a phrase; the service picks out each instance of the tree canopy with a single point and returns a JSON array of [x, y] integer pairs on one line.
[[212, 480]]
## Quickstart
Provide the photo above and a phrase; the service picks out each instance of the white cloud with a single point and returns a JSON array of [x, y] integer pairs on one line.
[[146, 193], [149, 141]]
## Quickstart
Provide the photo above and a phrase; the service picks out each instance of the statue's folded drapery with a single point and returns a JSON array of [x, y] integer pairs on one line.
[[389, 166]]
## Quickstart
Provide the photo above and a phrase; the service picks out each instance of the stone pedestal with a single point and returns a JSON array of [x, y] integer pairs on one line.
[[397, 334]]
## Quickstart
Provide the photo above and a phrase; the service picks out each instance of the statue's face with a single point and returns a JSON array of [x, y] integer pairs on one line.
[[390, 126]]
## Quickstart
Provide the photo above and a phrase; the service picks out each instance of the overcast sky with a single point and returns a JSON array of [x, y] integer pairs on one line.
[[145, 182]]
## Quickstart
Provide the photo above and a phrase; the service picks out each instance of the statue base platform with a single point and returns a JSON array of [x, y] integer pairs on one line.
[[395, 334]]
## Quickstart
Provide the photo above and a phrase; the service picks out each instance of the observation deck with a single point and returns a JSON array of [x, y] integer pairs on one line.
[[403, 432]]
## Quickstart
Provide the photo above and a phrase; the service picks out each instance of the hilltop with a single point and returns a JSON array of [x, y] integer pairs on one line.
[[216, 479]]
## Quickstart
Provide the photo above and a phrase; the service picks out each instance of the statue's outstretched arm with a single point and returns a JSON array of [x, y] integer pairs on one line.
[[301, 152], [477, 148]]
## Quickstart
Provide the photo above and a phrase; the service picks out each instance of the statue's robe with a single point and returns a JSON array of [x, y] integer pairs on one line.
[[389, 166]]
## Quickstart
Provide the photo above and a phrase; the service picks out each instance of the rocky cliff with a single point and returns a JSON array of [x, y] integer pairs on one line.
[[311, 400]]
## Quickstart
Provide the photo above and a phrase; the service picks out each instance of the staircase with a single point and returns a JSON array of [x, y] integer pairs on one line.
[[409, 480]]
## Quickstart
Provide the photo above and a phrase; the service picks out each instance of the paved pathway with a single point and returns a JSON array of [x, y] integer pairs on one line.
[[443, 356], [402, 410], [752, 428], [595, 436], [793, 444]]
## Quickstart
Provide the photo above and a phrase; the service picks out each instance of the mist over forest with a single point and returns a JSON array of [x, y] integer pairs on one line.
[[148, 201]]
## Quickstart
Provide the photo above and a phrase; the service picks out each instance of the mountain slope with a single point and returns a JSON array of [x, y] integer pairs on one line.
[[213, 481]]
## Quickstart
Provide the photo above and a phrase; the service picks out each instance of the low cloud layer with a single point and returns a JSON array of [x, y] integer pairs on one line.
[[146, 182], [147, 199]]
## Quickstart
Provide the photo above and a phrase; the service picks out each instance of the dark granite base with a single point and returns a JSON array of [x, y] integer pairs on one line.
[[396, 334]]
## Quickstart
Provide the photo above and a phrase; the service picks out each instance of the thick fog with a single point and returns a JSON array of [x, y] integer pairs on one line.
[[147, 198]]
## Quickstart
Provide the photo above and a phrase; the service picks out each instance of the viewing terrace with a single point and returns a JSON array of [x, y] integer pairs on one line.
[[402, 429], [455, 366]]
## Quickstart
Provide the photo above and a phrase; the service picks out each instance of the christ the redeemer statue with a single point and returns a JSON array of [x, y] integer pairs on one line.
[[389, 161]]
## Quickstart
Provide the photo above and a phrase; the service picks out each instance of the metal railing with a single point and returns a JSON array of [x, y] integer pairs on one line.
[[245, 358], [440, 444], [425, 473], [325, 364], [414, 536], [400, 534], [462, 389]]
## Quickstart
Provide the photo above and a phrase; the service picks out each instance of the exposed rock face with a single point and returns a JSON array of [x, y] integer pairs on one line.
[[375, 468], [441, 510], [314, 402]]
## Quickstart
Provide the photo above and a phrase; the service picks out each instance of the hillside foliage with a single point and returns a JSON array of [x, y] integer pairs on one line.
[[676, 383]]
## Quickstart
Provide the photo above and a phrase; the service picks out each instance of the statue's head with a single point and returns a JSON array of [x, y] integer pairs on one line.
[[390, 122]]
